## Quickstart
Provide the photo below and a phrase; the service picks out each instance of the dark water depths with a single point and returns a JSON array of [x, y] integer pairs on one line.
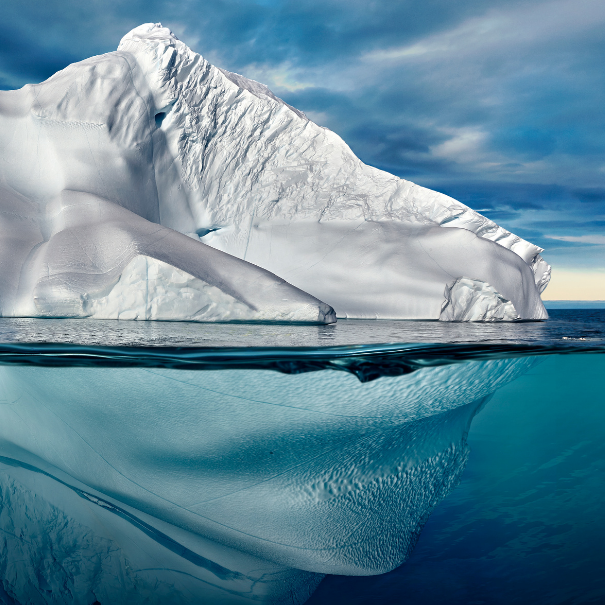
[[296, 441]]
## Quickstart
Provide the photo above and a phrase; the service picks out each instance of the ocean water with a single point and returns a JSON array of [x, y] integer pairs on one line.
[[565, 326], [367, 462], [525, 523]]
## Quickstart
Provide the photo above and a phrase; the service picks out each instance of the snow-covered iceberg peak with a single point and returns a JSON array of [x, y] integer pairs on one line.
[[151, 157], [266, 184], [86, 228]]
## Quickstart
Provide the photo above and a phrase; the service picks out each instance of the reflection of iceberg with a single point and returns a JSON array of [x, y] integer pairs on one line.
[[118, 170], [244, 479]]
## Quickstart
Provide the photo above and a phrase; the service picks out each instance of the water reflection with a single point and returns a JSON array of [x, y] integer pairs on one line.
[[139, 485]]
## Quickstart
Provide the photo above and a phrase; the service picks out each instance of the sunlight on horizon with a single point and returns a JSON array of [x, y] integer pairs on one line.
[[568, 284]]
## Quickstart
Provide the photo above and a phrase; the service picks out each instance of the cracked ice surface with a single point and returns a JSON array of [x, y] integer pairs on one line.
[[473, 300], [151, 155]]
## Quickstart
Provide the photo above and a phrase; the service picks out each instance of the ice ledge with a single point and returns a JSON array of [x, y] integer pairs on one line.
[[469, 299], [150, 289]]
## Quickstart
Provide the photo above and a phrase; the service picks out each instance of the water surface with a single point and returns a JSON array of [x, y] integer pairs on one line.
[[564, 325]]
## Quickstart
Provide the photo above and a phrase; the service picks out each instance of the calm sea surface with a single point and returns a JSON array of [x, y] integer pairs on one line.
[[565, 326]]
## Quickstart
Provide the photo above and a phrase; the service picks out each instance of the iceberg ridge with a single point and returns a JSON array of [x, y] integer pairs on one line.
[[122, 155]]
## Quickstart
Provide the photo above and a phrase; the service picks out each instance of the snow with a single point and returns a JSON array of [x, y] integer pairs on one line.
[[124, 154], [222, 485]]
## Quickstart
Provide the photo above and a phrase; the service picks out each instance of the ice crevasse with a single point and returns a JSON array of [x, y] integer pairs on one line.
[[147, 183]]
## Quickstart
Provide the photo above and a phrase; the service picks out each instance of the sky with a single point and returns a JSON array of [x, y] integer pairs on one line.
[[498, 103]]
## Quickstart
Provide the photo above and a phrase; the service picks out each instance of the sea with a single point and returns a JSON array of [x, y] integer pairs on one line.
[[365, 462]]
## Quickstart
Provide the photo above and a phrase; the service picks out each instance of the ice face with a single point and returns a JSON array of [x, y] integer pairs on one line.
[[316, 472], [473, 300], [81, 216], [64, 544], [151, 152]]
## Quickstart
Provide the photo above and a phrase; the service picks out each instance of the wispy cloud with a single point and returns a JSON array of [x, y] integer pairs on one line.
[[499, 104], [519, 25], [279, 77], [580, 239]]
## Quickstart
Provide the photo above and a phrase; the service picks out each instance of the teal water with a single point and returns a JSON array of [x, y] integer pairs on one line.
[[431, 463], [525, 524]]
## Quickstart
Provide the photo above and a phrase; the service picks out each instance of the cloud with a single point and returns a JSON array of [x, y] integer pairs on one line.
[[311, 32], [580, 239], [497, 104], [526, 24], [512, 95], [281, 77], [592, 195]]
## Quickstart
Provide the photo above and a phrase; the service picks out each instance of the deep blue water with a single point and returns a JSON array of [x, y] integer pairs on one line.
[[521, 523], [525, 524], [574, 304]]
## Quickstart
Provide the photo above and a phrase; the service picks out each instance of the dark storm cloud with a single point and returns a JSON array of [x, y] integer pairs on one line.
[[498, 104], [591, 195]]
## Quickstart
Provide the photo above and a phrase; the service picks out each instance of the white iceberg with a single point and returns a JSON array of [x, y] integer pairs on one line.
[[473, 300], [151, 152]]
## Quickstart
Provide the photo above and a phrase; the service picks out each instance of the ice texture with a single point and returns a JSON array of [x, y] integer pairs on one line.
[[151, 289], [153, 154], [63, 544], [254, 471], [473, 300]]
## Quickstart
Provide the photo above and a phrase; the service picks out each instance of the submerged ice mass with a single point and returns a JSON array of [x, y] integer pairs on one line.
[[148, 184], [149, 485]]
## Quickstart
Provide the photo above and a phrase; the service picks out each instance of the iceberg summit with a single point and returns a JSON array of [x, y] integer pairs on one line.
[[147, 183]]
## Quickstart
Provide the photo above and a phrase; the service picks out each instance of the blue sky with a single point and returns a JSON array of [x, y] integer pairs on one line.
[[497, 103]]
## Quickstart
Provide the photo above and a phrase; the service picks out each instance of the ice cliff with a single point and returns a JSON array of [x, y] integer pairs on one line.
[[147, 183]]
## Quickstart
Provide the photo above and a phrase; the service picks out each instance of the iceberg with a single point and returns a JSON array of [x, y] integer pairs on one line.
[[147, 183], [473, 300], [149, 484]]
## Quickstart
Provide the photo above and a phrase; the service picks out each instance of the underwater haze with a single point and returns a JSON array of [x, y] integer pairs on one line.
[[362, 462], [524, 525]]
